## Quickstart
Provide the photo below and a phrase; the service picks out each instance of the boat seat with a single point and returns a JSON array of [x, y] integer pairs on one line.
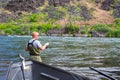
[[49, 77]]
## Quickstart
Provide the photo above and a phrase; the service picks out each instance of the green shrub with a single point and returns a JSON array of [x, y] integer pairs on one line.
[[57, 26], [3, 26], [8, 31], [70, 28], [83, 31], [18, 32], [117, 21], [100, 28], [115, 33], [33, 18], [43, 28], [33, 27]]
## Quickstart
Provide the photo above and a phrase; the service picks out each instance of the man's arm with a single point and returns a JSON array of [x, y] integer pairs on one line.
[[44, 46]]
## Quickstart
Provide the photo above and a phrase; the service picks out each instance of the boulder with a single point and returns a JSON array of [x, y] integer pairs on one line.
[[23, 5], [55, 32], [97, 34], [106, 4]]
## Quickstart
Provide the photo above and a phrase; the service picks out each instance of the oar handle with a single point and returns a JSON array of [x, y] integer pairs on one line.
[[21, 57], [22, 65]]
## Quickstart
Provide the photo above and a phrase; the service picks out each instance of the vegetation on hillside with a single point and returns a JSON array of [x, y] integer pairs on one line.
[[75, 18]]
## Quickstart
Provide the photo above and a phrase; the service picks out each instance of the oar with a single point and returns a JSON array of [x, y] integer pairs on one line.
[[102, 73], [23, 65], [22, 60]]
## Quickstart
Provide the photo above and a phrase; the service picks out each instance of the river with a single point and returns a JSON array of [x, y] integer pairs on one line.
[[74, 54]]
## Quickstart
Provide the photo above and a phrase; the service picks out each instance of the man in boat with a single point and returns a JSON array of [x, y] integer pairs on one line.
[[34, 47]]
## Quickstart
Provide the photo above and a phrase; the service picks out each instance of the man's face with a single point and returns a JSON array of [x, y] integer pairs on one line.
[[35, 35]]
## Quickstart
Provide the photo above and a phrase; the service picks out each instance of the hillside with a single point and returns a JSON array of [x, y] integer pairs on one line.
[[83, 15]]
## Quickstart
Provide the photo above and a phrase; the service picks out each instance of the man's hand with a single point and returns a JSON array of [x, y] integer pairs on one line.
[[47, 44]]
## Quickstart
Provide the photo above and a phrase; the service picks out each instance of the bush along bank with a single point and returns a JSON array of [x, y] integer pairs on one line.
[[98, 30]]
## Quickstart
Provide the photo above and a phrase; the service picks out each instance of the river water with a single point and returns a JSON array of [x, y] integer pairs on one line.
[[74, 54]]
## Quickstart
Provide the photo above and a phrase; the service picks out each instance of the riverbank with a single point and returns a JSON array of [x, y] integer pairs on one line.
[[80, 18], [97, 30]]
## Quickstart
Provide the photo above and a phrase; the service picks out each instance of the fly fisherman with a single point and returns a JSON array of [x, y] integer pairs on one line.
[[34, 47]]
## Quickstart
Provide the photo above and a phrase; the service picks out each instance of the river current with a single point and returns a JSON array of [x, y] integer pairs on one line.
[[74, 54]]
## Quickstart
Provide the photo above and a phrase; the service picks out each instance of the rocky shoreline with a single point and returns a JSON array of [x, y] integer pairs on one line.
[[62, 32], [57, 35]]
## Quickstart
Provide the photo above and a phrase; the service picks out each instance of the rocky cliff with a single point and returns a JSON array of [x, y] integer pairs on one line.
[[99, 6]]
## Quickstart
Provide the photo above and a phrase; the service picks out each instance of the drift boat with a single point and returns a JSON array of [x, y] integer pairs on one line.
[[33, 70]]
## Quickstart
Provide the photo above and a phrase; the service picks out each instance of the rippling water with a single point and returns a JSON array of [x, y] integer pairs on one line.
[[75, 54]]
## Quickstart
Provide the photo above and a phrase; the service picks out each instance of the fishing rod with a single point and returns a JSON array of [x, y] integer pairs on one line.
[[102, 73]]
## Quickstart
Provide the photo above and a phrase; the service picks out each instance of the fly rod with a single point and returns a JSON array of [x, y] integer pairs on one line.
[[102, 73]]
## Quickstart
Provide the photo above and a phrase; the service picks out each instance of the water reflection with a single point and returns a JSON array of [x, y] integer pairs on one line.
[[72, 54]]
